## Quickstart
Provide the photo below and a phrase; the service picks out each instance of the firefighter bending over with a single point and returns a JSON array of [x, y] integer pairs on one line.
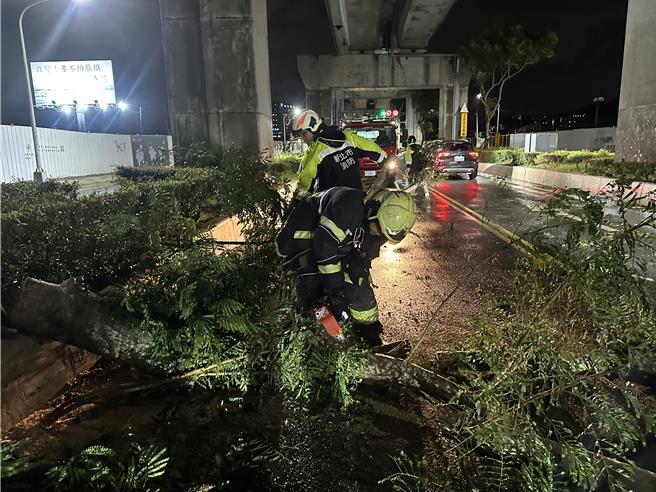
[[332, 159], [330, 239]]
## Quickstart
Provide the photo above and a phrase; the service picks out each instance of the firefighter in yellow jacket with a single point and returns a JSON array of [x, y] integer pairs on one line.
[[332, 157]]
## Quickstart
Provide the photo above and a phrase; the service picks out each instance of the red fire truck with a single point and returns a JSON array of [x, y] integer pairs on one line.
[[381, 131]]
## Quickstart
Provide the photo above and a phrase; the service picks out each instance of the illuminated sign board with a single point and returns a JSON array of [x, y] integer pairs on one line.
[[87, 82]]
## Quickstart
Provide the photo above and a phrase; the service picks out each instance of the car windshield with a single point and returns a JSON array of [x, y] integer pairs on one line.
[[382, 136], [457, 146]]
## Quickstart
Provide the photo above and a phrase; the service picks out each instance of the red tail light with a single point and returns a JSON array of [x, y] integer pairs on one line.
[[473, 154], [442, 155]]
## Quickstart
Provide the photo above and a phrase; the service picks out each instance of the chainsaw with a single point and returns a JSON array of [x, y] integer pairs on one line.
[[327, 319]]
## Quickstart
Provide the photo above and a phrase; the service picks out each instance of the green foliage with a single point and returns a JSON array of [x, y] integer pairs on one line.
[[500, 54], [285, 166], [596, 163], [553, 402], [507, 156], [51, 233], [13, 464], [413, 474], [104, 239], [190, 305], [96, 468], [429, 148], [145, 173], [99, 468], [306, 364]]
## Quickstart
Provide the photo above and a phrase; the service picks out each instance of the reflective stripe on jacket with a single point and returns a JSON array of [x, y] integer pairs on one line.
[[333, 161]]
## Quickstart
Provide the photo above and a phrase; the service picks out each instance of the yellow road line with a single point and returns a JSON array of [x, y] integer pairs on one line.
[[498, 230]]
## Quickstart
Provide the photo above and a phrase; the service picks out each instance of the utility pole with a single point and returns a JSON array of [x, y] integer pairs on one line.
[[597, 100]]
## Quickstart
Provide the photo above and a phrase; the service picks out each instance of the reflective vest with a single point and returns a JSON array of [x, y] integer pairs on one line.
[[332, 160]]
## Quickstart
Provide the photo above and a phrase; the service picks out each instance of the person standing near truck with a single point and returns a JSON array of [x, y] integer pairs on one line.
[[332, 157]]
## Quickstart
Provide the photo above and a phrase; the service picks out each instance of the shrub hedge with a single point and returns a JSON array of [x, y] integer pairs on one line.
[[285, 165], [51, 233], [598, 163]]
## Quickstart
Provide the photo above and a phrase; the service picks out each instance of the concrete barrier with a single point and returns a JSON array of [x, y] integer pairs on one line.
[[555, 179]]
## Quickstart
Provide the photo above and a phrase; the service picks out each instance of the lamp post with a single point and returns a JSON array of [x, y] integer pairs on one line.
[[478, 99], [597, 100], [38, 172], [125, 108]]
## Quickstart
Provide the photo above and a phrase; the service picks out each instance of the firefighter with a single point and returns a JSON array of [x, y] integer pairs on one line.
[[332, 157], [413, 159], [330, 239]]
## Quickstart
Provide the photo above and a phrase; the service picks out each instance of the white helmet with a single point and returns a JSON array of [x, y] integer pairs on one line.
[[305, 120]]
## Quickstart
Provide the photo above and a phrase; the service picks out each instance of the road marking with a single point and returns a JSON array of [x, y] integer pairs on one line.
[[499, 231]]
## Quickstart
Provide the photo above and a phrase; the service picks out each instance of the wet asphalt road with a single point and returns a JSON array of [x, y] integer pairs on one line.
[[453, 251]]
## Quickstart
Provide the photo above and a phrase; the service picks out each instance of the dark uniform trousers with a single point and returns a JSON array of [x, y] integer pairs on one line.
[[313, 228]]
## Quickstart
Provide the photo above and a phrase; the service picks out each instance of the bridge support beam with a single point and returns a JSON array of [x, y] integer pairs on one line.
[[217, 72], [636, 124], [331, 79]]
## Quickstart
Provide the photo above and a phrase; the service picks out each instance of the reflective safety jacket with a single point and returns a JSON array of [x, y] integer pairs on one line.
[[331, 226], [413, 158], [332, 160]]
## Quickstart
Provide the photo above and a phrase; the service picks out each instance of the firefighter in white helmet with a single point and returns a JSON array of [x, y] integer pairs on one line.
[[332, 159]]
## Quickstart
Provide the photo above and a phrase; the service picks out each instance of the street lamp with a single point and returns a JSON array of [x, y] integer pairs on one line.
[[479, 96], [124, 107], [38, 173], [597, 100]]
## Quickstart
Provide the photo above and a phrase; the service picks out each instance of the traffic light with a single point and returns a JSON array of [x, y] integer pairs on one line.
[[382, 113]]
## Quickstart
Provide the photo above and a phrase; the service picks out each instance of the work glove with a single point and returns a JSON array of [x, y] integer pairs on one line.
[[338, 304]]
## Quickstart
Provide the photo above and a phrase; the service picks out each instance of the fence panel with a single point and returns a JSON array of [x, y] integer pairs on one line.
[[66, 153]]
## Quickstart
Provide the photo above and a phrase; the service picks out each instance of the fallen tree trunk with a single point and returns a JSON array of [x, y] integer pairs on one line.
[[70, 314]]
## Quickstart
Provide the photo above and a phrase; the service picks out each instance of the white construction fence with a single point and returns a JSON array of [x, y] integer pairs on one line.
[[71, 154], [582, 139]]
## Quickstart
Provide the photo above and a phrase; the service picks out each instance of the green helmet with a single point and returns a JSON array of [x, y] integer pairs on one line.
[[396, 215]]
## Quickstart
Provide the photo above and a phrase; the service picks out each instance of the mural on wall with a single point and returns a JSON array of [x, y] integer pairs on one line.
[[150, 150]]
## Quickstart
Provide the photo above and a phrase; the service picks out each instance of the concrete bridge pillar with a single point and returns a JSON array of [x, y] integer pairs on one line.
[[636, 124], [217, 72]]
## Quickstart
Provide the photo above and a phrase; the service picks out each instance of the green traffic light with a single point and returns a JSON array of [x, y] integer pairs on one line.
[[381, 113]]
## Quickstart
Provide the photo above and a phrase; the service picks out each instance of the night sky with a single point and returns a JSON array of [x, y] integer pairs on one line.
[[588, 62]]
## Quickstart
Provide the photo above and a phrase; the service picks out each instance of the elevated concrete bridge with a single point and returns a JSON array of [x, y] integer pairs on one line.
[[217, 69], [381, 46], [373, 25]]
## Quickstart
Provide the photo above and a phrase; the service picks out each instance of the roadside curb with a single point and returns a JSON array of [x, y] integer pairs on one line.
[[555, 179]]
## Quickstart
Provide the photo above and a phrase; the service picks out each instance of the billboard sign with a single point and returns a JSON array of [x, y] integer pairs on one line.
[[87, 82]]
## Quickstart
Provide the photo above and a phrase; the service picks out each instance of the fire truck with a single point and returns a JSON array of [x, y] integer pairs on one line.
[[383, 132]]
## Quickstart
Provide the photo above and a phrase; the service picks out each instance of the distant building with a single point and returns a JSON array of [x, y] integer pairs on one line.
[[279, 112], [580, 118]]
